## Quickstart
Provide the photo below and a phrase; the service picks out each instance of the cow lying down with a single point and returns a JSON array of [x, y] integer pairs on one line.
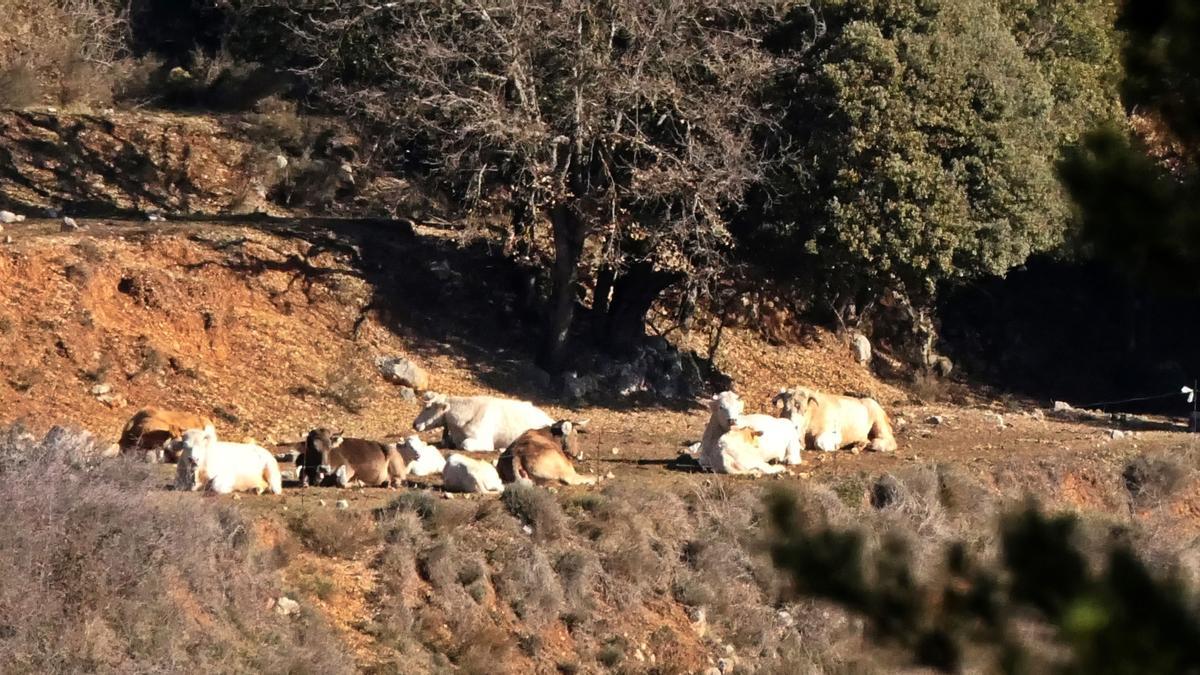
[[210, 464], [422, 458], [737, 443], [543, 456], [331, 457], [464, 474], [151, 429], [830, 422], [479, 423]]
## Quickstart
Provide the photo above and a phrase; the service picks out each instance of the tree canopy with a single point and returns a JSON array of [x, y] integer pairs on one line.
[[927, 132], [628, 126]]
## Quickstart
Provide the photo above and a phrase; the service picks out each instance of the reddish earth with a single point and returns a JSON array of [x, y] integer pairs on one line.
[[255, 325]]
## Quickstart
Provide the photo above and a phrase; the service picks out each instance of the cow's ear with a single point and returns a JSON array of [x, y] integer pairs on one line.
[[582, 425], [565, 426], [429, 396], [336, 440]]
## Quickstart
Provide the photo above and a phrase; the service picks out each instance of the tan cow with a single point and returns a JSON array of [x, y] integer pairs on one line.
[[543, 456], [349, 461], [829, 422], [150, 428]]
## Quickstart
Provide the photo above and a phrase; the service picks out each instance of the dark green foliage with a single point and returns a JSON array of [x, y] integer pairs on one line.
[[928, 131], [1120, 620], [1138, 199]]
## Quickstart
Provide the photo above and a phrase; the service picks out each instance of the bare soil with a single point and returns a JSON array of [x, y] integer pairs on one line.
[[255, 324]]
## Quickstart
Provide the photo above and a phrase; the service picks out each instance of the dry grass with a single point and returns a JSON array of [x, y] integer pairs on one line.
[[122, 576], [335, 532], [19, 86], [538, 509]]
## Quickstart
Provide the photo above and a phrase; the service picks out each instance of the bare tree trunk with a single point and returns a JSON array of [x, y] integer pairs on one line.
[[633, 294], [569, 235]]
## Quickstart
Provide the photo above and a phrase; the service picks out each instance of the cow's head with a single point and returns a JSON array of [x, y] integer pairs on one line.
[[413, 449], [433, 414], [314, 465], [193, 448], [795, 404], [567, 433], [727, 407]]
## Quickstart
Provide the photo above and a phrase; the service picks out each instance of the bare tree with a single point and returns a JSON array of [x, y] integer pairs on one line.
[[623, 129]]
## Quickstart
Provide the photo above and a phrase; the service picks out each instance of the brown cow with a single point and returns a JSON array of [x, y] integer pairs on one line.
[[543, 456], [327, 454], [150, 428]]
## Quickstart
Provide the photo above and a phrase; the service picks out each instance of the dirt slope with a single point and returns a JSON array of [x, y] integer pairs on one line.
[[273, 329]]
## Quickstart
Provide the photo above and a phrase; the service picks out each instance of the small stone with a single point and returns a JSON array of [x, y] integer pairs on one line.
[[320, 502], [236, 497], [935, 420], [448, 495], [8, 239], [8, 217], [724, 665], [69, 224], [527, 529], [616, 451], [286, 606], [609, 476], [101, 389], [639, 656], [343, 504], [407, 394], [1061, 406], [1117, 433], [285, 507]]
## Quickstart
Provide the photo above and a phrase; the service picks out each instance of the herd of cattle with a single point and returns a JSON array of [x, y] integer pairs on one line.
[[534, 447]]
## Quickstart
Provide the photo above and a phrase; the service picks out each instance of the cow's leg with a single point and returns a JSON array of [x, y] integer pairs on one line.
[[342, 476], [793, 451], [471, 444], [222, 485], [828, 441], [570, 477]]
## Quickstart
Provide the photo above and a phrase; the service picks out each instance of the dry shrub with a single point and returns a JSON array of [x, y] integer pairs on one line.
[[19, 87], [276, 124], [528, 583], [579, 573], [538, 509], [1153, 478], [348, 385], [84, 82], [335, 532], [108, 572], [142, 81], [637, 534], [449, 566]]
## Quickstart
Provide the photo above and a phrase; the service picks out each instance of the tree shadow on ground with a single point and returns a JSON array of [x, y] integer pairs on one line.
[[444, 298]]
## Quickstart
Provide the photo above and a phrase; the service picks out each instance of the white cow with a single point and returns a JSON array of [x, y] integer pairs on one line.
[[740, 451], [464, 474], [204, 462], [479, 423], [829, 422], [423, 459], [777, 439]]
